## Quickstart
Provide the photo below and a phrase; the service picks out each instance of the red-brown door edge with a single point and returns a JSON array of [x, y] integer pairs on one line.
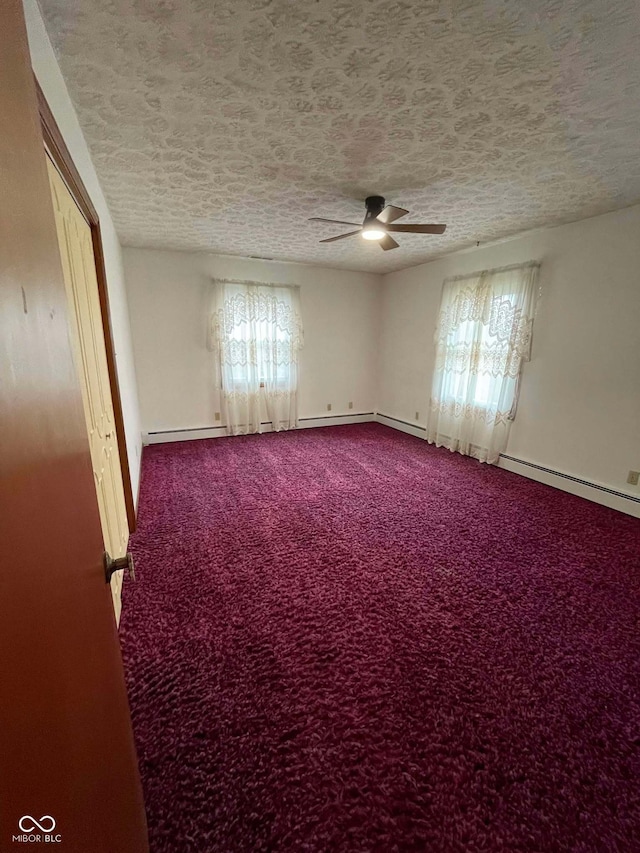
[[68, 767]]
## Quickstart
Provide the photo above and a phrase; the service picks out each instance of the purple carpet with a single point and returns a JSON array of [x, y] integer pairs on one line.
[[347, 640]]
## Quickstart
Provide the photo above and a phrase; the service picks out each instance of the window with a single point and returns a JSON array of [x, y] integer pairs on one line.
[[269, 343], [256, 331], [483, 392], [483, 338]]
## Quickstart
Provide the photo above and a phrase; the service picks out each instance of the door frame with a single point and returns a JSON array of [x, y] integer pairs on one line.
[[61, 158]]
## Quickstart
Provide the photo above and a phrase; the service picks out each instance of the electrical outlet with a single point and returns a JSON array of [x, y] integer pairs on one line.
[[328, 407], [351, 405], [217, 416], [417, 416], [633, 477]]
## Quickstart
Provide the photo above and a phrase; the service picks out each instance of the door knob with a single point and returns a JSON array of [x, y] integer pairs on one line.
[[121, 563]]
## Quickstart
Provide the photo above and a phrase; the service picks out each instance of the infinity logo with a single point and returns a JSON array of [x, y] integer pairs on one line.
[[28, 823]]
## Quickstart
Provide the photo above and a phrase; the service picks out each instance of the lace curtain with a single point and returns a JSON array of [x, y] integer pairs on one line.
[[483, 337], [256, 331]]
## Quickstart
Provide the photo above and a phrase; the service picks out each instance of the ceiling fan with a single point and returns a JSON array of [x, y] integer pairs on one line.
[[378, 224]]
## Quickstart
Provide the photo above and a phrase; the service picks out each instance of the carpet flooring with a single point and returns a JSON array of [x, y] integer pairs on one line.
[[344, 639]]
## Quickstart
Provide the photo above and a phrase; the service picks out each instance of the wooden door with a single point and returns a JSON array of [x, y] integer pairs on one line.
[[66, 745], [81, 284]]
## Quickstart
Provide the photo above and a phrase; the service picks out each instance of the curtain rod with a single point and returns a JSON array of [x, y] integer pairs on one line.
[[527, 265], [248, 281]]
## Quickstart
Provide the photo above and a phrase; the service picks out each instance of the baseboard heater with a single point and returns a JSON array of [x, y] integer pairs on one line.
[[533, 465], [192, 432], [333, 417], [400, 421], [187, 429], [573, 479], [197, 432]]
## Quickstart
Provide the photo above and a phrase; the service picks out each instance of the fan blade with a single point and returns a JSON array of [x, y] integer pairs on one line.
[[391, 213], [332, 221], [341, 236], [417, 229], [387, 243]]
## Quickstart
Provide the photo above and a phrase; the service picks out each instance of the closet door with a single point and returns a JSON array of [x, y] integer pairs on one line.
[[81, 285]]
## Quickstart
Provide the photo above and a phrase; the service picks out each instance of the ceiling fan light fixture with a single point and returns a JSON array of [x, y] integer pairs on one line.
[[373, 233]]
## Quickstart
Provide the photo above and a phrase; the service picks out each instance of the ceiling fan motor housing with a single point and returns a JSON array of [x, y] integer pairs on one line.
[[375, 206]]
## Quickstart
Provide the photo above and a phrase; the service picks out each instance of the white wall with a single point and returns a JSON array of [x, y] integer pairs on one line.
[[50, 79], [169, 295], [579, 408]]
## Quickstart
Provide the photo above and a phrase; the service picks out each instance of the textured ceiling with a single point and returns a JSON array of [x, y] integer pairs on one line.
[[222, 125]]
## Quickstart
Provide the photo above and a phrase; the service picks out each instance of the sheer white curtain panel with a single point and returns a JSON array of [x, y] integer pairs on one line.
[[482, 340], [256, 331]]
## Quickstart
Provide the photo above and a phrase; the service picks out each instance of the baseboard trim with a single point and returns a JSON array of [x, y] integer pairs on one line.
[[596, 492], [190, 434], [336, 420], [403, 426], [196, 433]]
